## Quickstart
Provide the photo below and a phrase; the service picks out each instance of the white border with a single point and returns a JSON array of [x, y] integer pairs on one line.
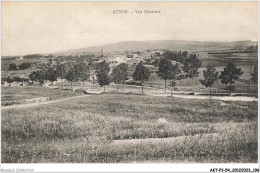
[[129, 167], [123, 167]]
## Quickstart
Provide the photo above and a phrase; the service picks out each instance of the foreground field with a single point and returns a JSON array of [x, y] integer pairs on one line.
[[99, 129], [28, 92]]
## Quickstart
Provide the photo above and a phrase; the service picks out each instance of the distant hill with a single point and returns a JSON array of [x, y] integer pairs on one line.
[[191, 46]]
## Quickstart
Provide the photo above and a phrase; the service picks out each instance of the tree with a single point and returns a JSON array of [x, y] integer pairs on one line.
[[119, 74], [141, 73], [12, 66], [102, 70], [175, 70], [210, 76], [82, 72], [24, 66], [38, 76], [51, 75], [230, 74], [254, 75], [167, 70], [184, 54], [191, 66], [61, 71], [71, 76], [9, 80], [43, 75], [92, 67]]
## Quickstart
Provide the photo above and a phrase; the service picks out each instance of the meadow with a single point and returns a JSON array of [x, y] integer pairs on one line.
[[87, 130], [28, 92]]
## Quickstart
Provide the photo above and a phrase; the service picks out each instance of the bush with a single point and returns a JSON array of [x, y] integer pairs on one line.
[[12, 66]]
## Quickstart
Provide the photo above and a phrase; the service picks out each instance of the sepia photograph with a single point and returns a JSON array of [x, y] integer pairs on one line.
[[129, 82]]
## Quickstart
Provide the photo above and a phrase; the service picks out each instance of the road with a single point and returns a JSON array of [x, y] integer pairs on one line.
[[221, 98]]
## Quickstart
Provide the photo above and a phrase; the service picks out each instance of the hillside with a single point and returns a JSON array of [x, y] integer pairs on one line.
[[190, 46]]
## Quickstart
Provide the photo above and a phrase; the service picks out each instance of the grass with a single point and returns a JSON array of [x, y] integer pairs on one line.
[[27, 92], [83, 130]]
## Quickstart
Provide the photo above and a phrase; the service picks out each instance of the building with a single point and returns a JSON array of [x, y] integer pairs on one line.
[[129, 55], [19, 58]]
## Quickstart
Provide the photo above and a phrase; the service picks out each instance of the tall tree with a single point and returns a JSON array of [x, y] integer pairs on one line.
[[254, 75], [82, 72], [92, 67], [71, 76], [190, 67], [210, 77], [184, 53], [119, 74], [141, 73], [38, 76], [61, 71], [175, 71], [102, 70], [51, 75], [167, 70], [34, 76], [230, 74]]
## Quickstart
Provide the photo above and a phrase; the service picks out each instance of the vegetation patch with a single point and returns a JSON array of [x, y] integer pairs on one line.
[[84, 131]]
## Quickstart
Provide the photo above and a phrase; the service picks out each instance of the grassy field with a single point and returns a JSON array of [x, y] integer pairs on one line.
[[27, 92], [86, 130]]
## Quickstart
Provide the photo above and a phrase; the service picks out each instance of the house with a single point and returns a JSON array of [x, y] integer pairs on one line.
[[46, 84], [19, 58], [131, 55]]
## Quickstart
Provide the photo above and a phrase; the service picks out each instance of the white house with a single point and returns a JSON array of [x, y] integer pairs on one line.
[[19, 58]]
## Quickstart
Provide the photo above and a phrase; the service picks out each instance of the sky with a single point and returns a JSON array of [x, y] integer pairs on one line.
[[49, 27]]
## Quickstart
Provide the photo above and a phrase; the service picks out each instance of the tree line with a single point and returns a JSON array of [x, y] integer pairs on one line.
[[191, 65], [22, 66], [167, 70]]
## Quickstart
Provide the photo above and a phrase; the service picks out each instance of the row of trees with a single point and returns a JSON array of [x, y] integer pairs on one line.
[[42, 75], [167, 71], [79, 72], [230, 74], [22, 66]]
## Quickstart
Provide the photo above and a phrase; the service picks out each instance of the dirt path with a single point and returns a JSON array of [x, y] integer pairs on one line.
[[40, 103], [221, 98], [149, 93], [156, 92]]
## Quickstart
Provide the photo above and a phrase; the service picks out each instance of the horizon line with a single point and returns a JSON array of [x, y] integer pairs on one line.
[[125, 42]]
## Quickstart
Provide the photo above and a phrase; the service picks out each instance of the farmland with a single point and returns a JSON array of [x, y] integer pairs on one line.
[[88, 130]]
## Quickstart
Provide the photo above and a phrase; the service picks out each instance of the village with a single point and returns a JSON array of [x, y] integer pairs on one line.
[[20, 77]]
